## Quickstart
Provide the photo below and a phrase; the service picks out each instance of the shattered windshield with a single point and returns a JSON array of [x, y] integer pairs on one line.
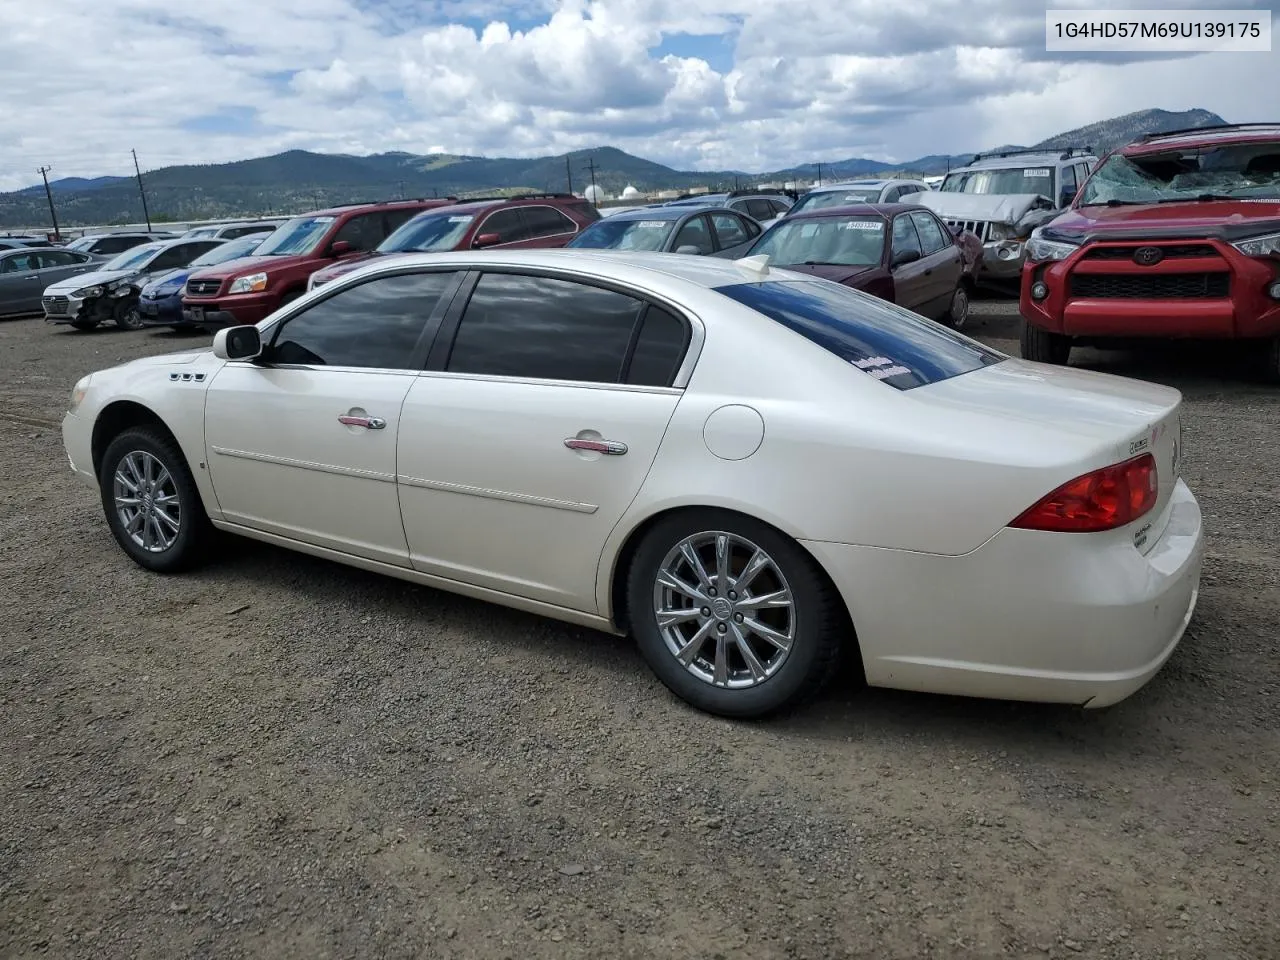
[[1239, 170]]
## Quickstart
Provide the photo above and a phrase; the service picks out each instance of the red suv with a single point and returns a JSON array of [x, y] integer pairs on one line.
[[530, 220], [247, 290], [1175, 235]]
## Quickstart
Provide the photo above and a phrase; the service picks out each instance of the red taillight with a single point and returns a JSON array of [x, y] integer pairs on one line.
[[1102, 500]]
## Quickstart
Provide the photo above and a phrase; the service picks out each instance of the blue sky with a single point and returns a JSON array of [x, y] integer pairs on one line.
[[698, 84]]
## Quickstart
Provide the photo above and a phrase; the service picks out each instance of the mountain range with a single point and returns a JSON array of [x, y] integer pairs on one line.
[[298, 180]]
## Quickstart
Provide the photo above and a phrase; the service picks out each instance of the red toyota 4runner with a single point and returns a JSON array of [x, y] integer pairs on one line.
[[1175, 235], [247, 290], [525, 221]]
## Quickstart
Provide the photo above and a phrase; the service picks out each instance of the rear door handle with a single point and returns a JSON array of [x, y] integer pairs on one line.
[[371, 423], [613, 448]]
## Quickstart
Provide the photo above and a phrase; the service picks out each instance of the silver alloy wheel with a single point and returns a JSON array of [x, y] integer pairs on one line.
[[147, 502], [959, 308], [724, 609]]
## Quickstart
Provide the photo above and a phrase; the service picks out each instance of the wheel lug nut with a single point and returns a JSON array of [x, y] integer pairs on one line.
[[738, 617], [721, 627], [706, 611], [711, 592], [733, 595]]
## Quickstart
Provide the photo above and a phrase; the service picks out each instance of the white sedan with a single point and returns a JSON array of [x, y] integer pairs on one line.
[[751, 471]]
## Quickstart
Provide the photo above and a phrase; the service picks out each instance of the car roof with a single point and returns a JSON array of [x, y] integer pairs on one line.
[[634, 265], [419, 204], [1041, 158], [1187, 139], [882, 210], [672, 212], [847, 184]]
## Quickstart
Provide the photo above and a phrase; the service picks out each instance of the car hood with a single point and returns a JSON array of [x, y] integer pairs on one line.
[[88, 280], [994, 207], [351, 263], [828, 271], [171, 278], [1229, 219], [236, 268]]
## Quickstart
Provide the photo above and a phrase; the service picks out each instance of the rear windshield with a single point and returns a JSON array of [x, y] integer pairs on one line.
[[889, 343]]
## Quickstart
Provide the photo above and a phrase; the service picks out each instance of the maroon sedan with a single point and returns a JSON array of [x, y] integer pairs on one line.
[[899, 252]]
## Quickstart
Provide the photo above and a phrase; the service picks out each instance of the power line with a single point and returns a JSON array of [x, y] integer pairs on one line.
[[44, 172], [142, 190]]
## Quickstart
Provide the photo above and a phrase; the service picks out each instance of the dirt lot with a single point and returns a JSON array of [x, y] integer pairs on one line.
[[280, 757]]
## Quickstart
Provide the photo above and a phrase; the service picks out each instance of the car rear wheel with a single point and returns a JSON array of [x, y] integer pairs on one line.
[[1044, 346], [151, 501], [958, 314], [126, 315], [734, 617]]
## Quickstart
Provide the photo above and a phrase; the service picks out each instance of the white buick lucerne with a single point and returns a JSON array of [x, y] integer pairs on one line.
[[751, 471]]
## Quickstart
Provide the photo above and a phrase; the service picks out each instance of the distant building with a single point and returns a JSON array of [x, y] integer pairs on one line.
[[630, 193], [593, 194]]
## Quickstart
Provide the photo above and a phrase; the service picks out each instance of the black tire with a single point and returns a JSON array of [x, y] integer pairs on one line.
[[190, 545], [126, 316], [1043, 346], [85, 324], [819, 630], [1271, 361], [957, 315]]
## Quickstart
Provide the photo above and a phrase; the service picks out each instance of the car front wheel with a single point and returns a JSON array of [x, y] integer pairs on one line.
[[958, 313], [734, 617], [1043, 346], [151, 501], [126, 315]]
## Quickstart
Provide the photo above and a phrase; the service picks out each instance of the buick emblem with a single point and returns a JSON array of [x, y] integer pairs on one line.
[[1148, 256]]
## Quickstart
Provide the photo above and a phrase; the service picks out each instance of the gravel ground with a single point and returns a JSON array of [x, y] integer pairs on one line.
[[281, 757]]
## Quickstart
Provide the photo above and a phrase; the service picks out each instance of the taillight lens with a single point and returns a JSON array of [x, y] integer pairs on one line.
[[1102, 500]]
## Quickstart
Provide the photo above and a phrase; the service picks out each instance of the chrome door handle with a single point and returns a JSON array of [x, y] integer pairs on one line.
[[371, 423], [613, 448]]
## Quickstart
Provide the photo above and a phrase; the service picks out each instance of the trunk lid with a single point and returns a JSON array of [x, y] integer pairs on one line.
[[1115, 418]]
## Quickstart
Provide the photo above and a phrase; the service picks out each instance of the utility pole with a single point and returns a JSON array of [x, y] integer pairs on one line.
[[591, 166], [44, 172], [568, 172], [400, 184], [819, 183], [142, 190]]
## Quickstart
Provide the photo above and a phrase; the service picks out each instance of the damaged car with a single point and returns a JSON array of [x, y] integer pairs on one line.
[[110, 293], [1002, 196]]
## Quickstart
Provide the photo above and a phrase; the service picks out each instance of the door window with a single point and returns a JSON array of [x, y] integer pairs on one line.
[[13, 264], [905, 238], [931, 237], [544, 327], [392, 220], [659, 349], [1068, 184], [760, 209], [50, 259], [363, 232], [695, 233], [374, 324], [546, 222], [729, 230], [507, 224], [117, 244]]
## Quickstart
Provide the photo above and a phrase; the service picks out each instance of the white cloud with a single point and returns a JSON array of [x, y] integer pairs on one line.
[[744, 84]]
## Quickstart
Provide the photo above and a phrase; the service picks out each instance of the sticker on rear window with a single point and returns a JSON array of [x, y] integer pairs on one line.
[[1036, 172], [461, 219], [652, 224], [861, 225]]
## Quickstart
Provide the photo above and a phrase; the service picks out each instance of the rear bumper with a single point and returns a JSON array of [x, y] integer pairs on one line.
[[161, 313], [1245, 311], [1064, 618]]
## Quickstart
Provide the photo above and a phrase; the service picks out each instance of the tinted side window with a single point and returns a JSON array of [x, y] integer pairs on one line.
[[905, 237], [546, 222], [60, 258], [779, 207], [1068, 188], [695, 233], [363, 232], [392, 220], [10, 265], [729, 230], [236, 232], [374, 324], [760, 209], [507, 224], [520, 326], [173, 257], [931, 236], [659, 349], [117, 244], [875, 337]]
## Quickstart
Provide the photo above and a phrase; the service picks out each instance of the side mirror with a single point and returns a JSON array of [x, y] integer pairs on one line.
[[486, 240], [903, 257], [241, 342], [339, 247], [688, 248]]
